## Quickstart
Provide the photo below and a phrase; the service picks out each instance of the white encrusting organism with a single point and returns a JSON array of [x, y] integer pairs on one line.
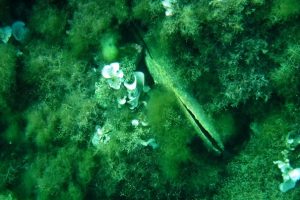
[[121, 101], [135, 123], [113, 74], [290, 175], [151, 142], [5, 34], [134, 88], [100, 137], [19, 31], [168, 6], [115, 78]]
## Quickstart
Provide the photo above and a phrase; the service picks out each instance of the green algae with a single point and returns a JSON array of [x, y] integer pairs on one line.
[[231, 65]]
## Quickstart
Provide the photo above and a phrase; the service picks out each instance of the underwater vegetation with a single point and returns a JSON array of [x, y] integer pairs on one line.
[[149, 99]]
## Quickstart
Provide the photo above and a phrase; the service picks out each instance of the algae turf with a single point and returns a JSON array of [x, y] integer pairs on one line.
[[239, 59]]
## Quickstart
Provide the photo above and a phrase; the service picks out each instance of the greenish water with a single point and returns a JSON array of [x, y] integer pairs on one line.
[[149, 99]]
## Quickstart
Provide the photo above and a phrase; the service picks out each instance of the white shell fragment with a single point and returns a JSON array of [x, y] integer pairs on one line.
[[169, 12], [293, 140], [144, 123], [100, 137], [135, 89], [122, 101], [294, 174], [131, 86]]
